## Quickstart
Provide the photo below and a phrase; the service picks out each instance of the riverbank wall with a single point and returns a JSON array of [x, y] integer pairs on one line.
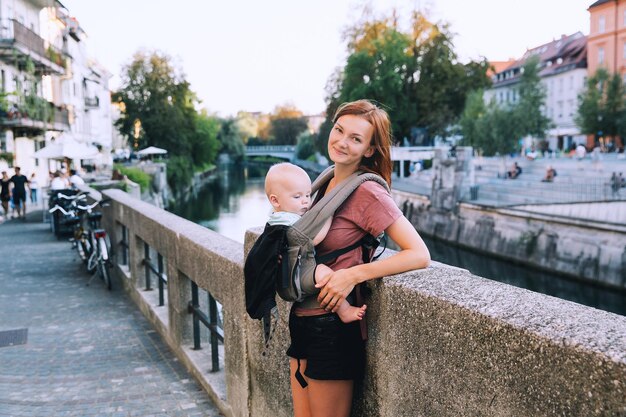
[[590, 250], [443, 342]]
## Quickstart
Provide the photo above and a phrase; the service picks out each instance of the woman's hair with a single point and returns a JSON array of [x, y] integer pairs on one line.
[[380, 161]]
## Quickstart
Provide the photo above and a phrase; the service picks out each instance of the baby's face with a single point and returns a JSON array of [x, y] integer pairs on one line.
[[294, 194]]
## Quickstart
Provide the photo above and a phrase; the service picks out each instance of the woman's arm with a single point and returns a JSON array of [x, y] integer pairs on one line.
[[413, 254]]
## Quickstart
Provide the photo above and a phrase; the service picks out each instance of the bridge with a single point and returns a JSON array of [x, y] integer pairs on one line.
[[441, 340], [284, 152]]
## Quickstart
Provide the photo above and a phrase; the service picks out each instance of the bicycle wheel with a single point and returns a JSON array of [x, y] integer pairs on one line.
[[83, 247], [93, 258], [103, 262], [103, 270]]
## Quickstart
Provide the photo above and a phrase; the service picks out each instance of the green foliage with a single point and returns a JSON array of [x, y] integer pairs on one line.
[[179, 171], [136, 175], [306, 146], [285, 130], [602, 108], [230, 139], [497, 129], [471, 122], [204, 142], [532, 97], [415, 74], [159, 110]]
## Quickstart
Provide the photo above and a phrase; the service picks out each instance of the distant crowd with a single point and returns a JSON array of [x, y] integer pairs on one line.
[[16, 190]]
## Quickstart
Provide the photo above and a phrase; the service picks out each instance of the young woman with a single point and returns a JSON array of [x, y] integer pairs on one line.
[[326, 355]]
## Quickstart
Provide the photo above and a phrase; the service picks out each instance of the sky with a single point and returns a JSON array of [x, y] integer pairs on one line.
[[254, 55]]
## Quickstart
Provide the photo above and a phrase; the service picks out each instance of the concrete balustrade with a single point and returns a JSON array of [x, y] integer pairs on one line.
[[443, 342]]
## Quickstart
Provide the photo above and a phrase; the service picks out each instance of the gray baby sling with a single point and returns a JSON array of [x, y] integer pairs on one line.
[[297, 277]]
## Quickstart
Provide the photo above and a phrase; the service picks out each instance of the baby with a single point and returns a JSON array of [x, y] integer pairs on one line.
[[288, 188]]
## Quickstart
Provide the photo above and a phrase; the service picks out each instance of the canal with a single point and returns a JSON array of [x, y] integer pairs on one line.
[[235, 201]]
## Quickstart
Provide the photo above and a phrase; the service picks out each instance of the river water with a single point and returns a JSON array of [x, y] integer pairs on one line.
[[235, 201]]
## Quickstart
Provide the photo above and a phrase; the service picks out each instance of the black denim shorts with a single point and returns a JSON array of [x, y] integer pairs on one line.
[[334, 350]]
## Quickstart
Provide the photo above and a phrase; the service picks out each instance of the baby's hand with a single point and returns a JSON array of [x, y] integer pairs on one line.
[[321, 281]]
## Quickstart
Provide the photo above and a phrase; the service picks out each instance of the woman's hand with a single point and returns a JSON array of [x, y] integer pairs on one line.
[[335, 287]]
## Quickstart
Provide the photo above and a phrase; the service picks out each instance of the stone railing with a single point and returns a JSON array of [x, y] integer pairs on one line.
[[442, 341]]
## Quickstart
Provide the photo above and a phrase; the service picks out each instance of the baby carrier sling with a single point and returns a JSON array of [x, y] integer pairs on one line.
[[283, 259]]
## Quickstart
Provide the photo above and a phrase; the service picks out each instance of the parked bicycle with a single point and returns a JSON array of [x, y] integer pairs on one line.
[[89, 239]]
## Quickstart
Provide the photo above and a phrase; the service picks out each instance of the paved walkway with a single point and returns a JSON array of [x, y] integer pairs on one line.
[[89, 351]]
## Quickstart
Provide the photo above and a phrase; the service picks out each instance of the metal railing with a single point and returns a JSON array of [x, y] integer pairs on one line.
[[12, 30], [211, 322], [157, 270], [518, 191], [123, 245]]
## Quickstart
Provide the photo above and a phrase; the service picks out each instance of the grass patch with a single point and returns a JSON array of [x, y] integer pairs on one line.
[[136, 175]]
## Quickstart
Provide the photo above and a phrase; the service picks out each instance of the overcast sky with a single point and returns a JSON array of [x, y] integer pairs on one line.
[[254, 55]]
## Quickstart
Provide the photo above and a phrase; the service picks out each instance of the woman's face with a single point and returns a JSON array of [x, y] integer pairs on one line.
[[350, 140]]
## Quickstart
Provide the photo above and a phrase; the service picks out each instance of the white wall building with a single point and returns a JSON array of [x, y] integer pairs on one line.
[[563, 72], [84, 89], [26, 59]]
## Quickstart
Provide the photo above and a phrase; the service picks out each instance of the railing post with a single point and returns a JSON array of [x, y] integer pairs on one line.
[[160, 269], [196, 321], [215, 362], [146, 263], [125, 246]]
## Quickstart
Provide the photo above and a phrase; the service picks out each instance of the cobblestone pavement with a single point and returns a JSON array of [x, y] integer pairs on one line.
[[89, 352]]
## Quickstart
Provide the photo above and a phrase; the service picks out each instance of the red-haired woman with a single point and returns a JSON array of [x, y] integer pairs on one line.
[[326, 355]]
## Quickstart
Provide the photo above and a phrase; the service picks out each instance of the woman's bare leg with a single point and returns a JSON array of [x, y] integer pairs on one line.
[[330, 398], [300, 396], [319, 398]]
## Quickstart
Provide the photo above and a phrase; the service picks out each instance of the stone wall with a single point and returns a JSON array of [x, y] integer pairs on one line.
[[442, 341], [587, 249]]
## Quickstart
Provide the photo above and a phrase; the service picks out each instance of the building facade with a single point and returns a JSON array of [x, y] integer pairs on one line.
[[607, 36], [84, 88], [563, 72], [26, 60], [50, 87]]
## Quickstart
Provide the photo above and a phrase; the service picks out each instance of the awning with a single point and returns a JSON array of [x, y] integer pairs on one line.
[[152, 150], [67, 148]]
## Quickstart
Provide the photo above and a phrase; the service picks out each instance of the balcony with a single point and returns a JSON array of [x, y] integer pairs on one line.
[[92, 102], [18, 44], [33, 115]]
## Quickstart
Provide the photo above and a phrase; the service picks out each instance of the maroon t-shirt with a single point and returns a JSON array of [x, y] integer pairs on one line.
[[370, 209]]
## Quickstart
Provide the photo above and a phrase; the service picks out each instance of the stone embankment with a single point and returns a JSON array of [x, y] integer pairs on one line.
[[583, 239]]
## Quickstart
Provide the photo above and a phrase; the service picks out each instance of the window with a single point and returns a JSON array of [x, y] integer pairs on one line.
[[571, 82], [570, 107], [624, 18], [559, 105], [600, 55], [601, 24], [560, 85], [4, 81], [624, 50]]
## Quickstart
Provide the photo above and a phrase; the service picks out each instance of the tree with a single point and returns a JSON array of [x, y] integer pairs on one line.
[[529, 110], [157, 95], [230, 139], [204, 143], [306, 145], [415, 74], [247, 125], [472, 120], [286, 124], [601, 108]]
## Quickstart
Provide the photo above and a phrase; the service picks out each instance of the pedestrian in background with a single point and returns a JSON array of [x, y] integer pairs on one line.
[[34, 187], [5, 193], [19, 182]]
